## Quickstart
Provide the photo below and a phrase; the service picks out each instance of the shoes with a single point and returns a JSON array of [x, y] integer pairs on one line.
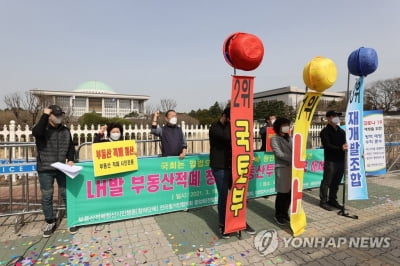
[[287, 219], [279, 220], [325, 206], [222, 230], [49, 229], [73, 230], [335, 204], [250, 230]]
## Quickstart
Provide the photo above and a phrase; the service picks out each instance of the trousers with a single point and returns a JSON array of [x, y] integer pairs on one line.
[[46, 180], [223, 181], [332, 176], [282, 204]]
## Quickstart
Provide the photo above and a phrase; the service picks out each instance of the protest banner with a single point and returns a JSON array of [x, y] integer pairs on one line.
[[166, 184]]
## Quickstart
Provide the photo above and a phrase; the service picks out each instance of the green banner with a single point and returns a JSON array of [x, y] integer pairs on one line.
[[165, 184]]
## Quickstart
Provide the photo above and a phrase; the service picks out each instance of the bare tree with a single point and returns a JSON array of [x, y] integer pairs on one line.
[[32, 104], [372, 100], [150, 109], [167, 104], [383, 94], [44, 100], [14, 103]]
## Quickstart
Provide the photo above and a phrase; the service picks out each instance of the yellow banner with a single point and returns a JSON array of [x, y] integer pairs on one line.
[[302, 123], [114, 157]]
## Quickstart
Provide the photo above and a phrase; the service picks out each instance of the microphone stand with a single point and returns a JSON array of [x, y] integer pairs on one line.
[[343, 212]]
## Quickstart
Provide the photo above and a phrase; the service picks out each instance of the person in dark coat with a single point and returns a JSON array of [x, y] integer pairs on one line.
[[114, 130], [53, 144], [221, 165], [282, 147], [333, 140]]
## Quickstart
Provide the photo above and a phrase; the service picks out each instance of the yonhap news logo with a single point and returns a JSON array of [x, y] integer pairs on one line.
[[267, 241]]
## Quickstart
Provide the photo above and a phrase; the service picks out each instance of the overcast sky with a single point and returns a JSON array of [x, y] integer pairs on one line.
[[173, 49]]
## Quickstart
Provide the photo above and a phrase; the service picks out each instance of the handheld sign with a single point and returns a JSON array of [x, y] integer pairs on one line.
[[114, 157]]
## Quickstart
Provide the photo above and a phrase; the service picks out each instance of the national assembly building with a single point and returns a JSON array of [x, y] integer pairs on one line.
[[93, 96]]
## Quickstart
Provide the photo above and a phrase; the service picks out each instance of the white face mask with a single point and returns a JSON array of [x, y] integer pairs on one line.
[[336, 120], [173, 120], [272, 121], [56, 119], [115, 136], [285, 129]]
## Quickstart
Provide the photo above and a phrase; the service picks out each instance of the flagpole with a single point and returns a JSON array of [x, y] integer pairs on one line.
[[343, 212]]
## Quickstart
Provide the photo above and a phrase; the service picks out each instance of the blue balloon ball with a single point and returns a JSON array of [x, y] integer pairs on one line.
[[362, 61]]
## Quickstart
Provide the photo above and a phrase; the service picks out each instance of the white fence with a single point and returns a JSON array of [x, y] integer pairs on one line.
[[197, 137]]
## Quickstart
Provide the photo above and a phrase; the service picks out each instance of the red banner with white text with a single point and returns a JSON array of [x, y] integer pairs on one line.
[[242, 151]]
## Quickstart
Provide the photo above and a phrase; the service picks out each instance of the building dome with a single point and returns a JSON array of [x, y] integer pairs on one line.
[[94, 86]]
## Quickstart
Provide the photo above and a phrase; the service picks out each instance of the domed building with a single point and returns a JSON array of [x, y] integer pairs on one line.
[[93, 96]]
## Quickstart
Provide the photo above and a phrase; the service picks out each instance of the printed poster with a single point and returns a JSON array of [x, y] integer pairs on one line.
[[114, 157]]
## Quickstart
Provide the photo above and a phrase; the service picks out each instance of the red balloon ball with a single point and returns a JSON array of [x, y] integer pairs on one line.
[[243, 51]]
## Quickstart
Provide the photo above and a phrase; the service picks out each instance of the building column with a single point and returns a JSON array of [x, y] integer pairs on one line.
[[117, 107], [71, 105], [102, 107], [141, 106]]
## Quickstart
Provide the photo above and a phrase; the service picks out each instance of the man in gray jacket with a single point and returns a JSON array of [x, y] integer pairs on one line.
[[53, 144]]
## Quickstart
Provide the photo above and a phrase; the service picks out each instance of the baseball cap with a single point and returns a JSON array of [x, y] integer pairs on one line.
[[227, 112], [332, 113], [56, 110]]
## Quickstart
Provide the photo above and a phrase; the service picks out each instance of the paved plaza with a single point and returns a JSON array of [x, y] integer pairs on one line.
[[191, 237]]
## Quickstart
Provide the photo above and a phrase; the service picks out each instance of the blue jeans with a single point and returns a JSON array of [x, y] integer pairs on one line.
[[223, 180], [46, 180]]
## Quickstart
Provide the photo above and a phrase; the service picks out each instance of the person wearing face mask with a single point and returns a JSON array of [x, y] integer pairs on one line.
[[221, 165], [115, 132], [282, 148], [173, 141], [269, 121], [53, 144], [333, 140]]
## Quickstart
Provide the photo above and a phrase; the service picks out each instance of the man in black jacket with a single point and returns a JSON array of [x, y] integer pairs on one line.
[[333, 139], [221, 165], [53, 144]]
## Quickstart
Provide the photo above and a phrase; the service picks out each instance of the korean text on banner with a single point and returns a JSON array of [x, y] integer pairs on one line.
[[374, 143], [300, 134], [166, 184], [242, 151], [357, 183], [114, 157]]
